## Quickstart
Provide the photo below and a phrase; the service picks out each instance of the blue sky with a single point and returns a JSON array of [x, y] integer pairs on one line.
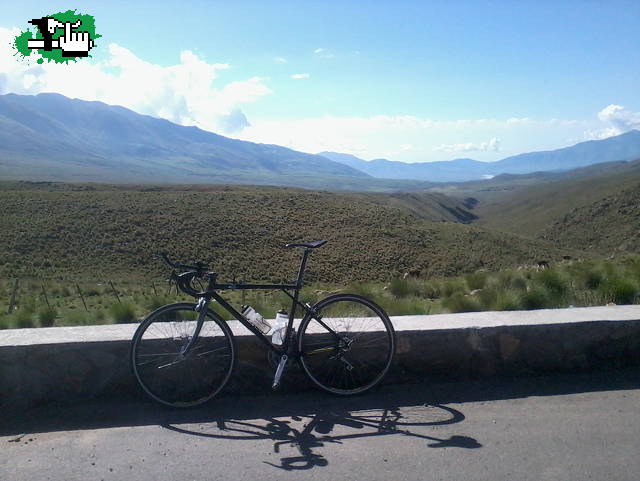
[[411, 81]]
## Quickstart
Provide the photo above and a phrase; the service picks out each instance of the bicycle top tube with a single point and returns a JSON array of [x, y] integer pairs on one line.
[[200, 270]]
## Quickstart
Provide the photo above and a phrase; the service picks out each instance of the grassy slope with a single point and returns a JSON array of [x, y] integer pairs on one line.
[[66, 230], [431, 206], [610, 225], [529, 209]]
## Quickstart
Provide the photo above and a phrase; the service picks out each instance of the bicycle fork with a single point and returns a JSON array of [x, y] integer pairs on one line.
[[201, 309]]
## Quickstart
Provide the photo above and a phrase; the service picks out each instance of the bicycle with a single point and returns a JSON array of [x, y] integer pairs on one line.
[[183, 354]]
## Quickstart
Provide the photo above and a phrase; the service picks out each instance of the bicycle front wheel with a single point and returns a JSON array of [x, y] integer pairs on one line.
[[347, 345], [179, 380]]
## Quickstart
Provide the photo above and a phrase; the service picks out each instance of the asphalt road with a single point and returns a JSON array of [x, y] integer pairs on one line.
[[559, 427]]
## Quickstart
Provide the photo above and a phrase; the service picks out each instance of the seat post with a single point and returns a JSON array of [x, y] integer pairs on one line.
[[303, 265]]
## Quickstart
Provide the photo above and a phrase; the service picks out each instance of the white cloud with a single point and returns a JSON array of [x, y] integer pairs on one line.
[[300, 76], [234, 122], [390, 136], [616, 119], [323, 52], [598, 134], [492, 145], [620, 118], [280, 60], [183, 93]]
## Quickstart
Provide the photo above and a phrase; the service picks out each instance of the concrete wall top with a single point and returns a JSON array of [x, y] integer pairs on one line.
[[120, 332], [483, 319]]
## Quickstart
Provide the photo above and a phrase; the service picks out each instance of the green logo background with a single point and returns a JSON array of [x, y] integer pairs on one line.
[[55, 55]]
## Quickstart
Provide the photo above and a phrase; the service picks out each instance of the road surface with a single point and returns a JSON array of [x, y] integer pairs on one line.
[[557, 427]]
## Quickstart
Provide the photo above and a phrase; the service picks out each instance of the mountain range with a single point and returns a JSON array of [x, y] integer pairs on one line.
[[623, 147], [51, 137], [49, 134]]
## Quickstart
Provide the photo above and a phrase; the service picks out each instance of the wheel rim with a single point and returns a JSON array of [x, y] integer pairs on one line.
[[182, 380], [359, 357]]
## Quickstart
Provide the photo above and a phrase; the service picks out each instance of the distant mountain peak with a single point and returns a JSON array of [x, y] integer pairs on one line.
[[623, 147]]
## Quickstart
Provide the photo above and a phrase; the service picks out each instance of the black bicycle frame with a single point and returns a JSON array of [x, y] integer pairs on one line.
[[210, 294]]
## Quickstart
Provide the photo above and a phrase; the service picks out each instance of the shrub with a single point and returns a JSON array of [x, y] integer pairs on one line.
[[535, 298], [477, 280], [122, 313], [461, 303], [453, 286], [74, 317], [634, 269], [24, 318], [519, 283], [488, 296], [620, 291], [363, 289], [593, 278], [5, 322], [92, 292], [506, 301], [504, 279], [553, 282], [432, 290], [405, 288], [154, 302], [406, 306], [399, 287], [47, 316]]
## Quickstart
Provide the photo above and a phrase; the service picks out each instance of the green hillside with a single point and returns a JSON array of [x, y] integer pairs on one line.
[[427, 205], [608, 226], [92, 231], [530, 204]]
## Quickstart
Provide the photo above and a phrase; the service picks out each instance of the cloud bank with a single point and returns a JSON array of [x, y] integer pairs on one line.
[[185, 93], [415, 139], [620, 119], [492, 145]]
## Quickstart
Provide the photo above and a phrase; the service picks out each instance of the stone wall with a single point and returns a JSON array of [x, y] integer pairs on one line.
[[77, 364]]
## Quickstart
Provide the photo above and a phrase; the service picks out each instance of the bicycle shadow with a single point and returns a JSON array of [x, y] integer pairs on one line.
[[307, 433], [133, 411]]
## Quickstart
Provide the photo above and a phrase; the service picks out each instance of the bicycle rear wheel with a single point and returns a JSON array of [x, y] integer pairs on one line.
[[347, 346], [171, 378]]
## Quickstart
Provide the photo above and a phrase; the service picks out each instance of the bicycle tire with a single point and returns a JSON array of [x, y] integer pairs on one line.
[[360, 357], [178, 381]]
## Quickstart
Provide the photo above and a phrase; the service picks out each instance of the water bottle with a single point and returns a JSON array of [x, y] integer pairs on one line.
[[256, 319], [279, 327]]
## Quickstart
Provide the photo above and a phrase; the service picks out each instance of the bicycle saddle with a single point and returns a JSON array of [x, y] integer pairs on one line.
[[307, 245]]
